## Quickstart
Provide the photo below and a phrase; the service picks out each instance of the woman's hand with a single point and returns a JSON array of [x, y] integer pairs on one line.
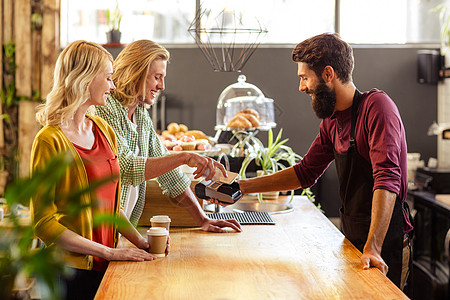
[[131, 254], [143, 244], [168, 245]]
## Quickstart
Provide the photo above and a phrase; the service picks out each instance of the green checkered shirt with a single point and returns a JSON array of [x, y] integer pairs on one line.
[[132, 167]]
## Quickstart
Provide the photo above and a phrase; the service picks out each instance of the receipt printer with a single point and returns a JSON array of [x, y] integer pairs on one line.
[[222, 189]]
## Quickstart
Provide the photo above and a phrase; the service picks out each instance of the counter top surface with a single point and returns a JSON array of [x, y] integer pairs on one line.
[[303, 256]]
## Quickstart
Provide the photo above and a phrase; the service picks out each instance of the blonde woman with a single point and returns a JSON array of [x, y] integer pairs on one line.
[[83, 77], [139, 72]]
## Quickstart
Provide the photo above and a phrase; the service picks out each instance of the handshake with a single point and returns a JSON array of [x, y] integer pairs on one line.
[[223, 189]]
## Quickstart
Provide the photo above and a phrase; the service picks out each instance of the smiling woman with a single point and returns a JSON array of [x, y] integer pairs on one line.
[[82, 78]]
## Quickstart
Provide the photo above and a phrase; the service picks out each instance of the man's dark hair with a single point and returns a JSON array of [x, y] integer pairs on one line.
[[323, 50]]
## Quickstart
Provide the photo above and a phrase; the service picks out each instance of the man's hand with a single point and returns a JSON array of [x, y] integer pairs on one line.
[[217, 225], [189, 202], [382, 207], [215, 201], [205, 165], [371, 258]]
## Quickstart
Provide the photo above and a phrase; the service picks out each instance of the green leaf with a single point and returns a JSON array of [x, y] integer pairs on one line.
[[15, 241], [270, 158]]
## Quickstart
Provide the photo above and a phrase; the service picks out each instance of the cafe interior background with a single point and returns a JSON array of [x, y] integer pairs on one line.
[[397, 48]]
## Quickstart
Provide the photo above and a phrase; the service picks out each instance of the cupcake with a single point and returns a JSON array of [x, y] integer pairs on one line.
[[203, 145], [188, 142], [170, 144], [188, 146]]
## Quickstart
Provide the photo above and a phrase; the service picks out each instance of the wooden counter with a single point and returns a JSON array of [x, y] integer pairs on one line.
[[303, 256]]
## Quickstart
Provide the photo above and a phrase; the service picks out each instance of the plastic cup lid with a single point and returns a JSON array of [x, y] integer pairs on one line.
[[157, 231], [160, 218]]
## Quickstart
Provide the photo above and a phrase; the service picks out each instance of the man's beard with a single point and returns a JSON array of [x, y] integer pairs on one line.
[[323, 100]]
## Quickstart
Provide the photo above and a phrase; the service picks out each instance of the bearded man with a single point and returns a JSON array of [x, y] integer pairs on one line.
[[364, 134]]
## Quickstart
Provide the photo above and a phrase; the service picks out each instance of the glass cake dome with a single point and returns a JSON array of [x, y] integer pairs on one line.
[[243, 106]]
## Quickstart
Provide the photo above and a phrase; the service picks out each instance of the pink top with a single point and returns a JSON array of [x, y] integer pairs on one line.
[[100, 162]]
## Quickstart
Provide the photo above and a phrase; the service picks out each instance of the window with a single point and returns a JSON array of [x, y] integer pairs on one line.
[[370, 22], [287, 21], [389, 22], [165, 21]]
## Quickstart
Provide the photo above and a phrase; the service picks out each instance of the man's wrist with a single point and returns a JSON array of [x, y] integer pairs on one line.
[[371, 246], [240, 186]]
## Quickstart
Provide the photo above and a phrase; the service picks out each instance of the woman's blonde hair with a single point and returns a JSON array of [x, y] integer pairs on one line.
[[131, 68], [75, 69]]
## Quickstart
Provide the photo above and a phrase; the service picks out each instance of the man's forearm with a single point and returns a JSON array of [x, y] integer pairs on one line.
[[285, 180], [382, 207], [157, 166], [188, 201]]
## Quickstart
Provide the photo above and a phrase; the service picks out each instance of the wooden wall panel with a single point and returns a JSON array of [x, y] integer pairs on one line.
[[28, 128], [8, 17], [1, 47], [22, 39], [7, 35], [49, 44], [2, 138], [27, 124], [35, 57]]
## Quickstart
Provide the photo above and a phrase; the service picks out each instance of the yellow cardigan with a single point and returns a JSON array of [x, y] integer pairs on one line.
[[49, 222]]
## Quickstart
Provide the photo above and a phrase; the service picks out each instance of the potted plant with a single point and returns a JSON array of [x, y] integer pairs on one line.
[[270, 159], [113, 19], [20, 261]]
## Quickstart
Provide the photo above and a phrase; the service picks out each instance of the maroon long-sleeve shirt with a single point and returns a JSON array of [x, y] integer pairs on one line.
[[380, 139]]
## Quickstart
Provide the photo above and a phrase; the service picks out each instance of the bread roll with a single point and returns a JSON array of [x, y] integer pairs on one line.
[[183, 128], [239, 121], [198, 134], [251, 112], [179, 135], [173, 128], [254, 120]]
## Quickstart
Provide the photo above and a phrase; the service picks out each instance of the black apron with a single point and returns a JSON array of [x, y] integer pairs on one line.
[[356, 185]]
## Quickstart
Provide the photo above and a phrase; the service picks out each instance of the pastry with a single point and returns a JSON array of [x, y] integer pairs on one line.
[[202, 144], [187, 138], [183, 128], [188, 146], [173, 128], [170, 144], [197, 134], [239, 121], [254, 120], [251, 112], [179, 135]]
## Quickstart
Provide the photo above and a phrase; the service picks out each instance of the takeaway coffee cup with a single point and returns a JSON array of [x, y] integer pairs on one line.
[[160, 221], [157, 239]]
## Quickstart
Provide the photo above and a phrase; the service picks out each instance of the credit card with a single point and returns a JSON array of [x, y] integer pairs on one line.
[[218, 176]]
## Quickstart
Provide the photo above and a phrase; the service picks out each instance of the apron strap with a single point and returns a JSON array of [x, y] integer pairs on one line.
[[355, 105]]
